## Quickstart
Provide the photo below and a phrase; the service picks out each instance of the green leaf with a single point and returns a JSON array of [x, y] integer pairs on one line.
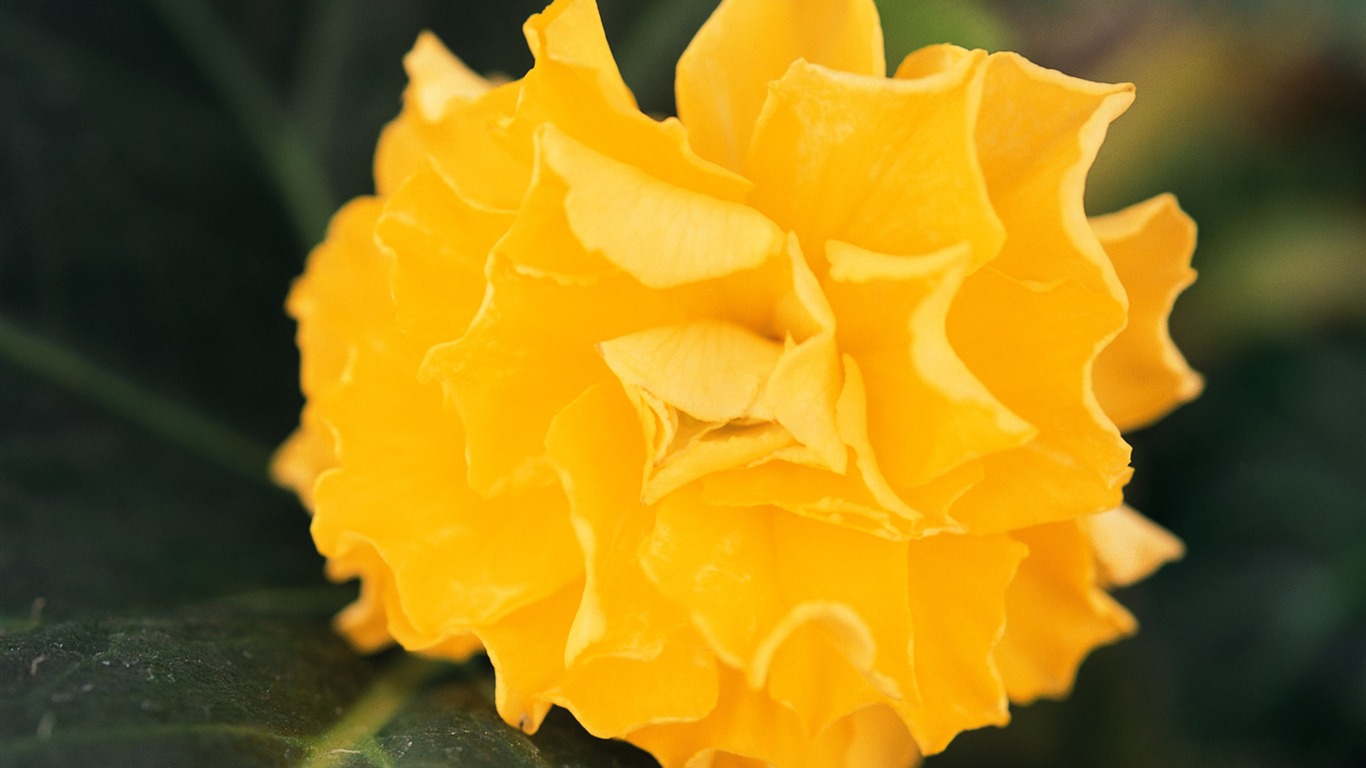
[[236, 685]]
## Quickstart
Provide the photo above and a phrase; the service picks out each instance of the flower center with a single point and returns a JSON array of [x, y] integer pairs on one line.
[[705, 398]]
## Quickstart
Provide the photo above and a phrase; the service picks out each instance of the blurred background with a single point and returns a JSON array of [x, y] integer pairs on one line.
[[166, 164]]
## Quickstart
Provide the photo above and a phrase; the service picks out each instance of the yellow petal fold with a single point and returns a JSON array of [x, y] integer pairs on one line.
[[439, 244], [927, 413], [621, 614], [724, 74], [1056, 613], [886, 165], [712, 371], [438, 78], [1031, 344], [750, 730], [1031, 323], [1129, 546], [576, 86], [661, 234], [402, 472], [957, 590], [340, 299], [488, 165], [1141, 375]]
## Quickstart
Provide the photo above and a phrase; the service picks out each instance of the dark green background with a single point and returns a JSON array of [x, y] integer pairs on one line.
[[164, 165]]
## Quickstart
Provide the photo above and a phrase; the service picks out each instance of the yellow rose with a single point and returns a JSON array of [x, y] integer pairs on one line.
[[784, 432]]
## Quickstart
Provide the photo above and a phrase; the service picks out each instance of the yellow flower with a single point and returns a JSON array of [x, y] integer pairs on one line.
[[784, 432]]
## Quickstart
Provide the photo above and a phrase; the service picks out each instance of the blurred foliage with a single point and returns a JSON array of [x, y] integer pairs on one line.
[[162, 160]]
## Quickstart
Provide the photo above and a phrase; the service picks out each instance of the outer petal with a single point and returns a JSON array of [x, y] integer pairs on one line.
[[750, 730], [453, 118], [719, 563], [1129, 546], [438, 78], [400, 479], [1030, 325], [401, 451], [576, 86], [364, 623], [958, 611], [1141, 375], [343, 296], [724, 74], [527, 651], [340, 299], [887, 165], [570, 32], [1056, 613], [377, 618], [305, 454]]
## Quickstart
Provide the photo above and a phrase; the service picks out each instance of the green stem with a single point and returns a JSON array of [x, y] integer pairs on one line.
[[318, 80], [130, 401], [296, 169]]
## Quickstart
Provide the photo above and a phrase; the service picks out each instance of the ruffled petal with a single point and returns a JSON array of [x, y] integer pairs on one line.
[[439, 243], [957, 590], [860, 637], [748, 729], [528, 353], [377, 618], [402, 475], [526, 648], [1031, 323], [1032, 349], [341, 298], [719, 563], [622, 614], [570, 32], [710, 370], [1056, 613], [305, 454], [438, 78], [661, 234], [927, 413], [469, 144], [1129, 546], [887, 165], [364, 623], [576, 86], [768, 588], [817, 662], [623, 629], [1141, 375], [724, 75]]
